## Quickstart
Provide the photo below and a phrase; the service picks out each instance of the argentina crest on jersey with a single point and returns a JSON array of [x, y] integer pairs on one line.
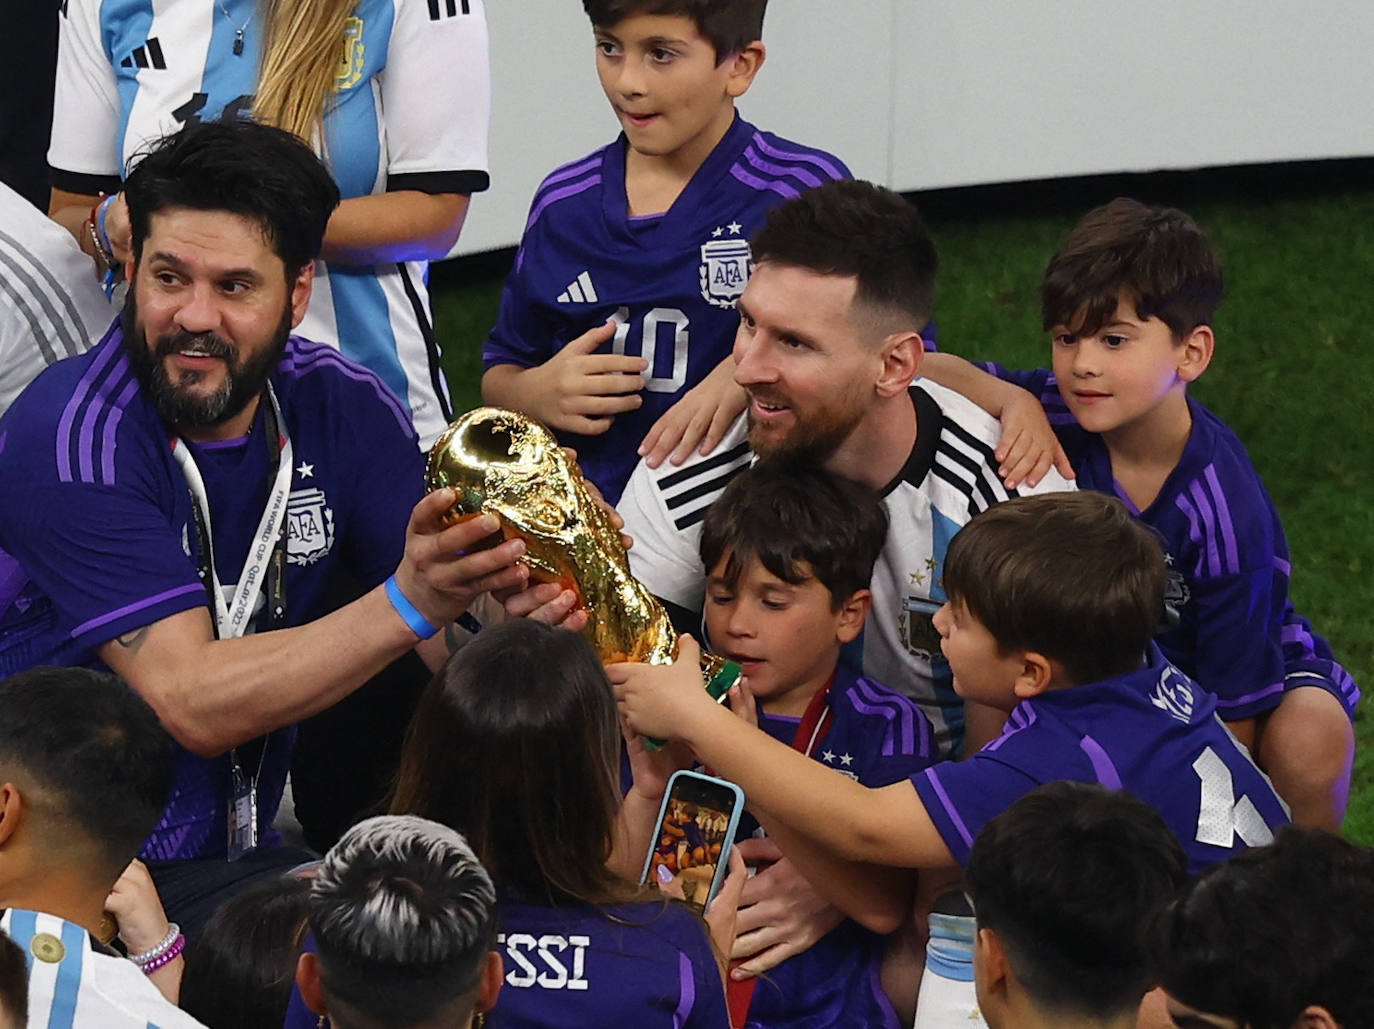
[[309, 524], [1176, 591], [350, 70], [916, 620], [726, 262]]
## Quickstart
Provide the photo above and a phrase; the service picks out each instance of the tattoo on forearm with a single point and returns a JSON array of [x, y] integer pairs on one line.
[[133, 640]]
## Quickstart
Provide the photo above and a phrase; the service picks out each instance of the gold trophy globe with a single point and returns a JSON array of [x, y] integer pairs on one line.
[[507, 464]]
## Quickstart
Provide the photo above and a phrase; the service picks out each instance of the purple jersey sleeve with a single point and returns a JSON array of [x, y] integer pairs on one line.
[[961, 797]]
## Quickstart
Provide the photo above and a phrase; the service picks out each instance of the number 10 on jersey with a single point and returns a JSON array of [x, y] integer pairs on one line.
[[653, 330]]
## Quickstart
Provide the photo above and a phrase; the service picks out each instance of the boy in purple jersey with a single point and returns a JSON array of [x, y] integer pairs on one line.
[[789, 552], [644, 245], [1129, 300], [1088, 698]]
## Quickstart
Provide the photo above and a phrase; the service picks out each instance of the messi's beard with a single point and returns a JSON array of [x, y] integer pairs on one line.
[[813, 439], [179, 406]]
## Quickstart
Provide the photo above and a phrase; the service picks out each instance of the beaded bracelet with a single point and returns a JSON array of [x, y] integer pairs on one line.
[[161, 947], [171, 954]]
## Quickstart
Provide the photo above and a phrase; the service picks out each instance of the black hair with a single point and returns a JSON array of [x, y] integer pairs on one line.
[[1071, 576], [1275, 929], [404, 917], [1069, 878], [857, 229], [240, 970], [96, 753], [515, 744], [797, 521], [241, 166], [1156, 257], [728, 25]]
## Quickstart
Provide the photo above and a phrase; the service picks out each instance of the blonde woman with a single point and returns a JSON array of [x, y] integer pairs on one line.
[[395, 94]]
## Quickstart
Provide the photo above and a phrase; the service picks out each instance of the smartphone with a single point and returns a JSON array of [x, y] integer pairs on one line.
[[696, 829]]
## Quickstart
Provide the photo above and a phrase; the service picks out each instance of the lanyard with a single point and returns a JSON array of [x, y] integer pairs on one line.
[[263, 566], [815, 722], [266, 554]]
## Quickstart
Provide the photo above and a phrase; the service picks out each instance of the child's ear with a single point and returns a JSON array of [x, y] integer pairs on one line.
[[1195, 353], [1035, 677], [849, 620], [990, 963], [744, 65], [901, 354]]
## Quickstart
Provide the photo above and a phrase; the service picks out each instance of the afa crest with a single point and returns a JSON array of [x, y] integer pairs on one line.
[[917, 626], [309, 527], [351, 61], [725, 268]]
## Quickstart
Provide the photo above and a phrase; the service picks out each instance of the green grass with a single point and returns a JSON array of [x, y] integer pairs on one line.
[[1293, 372]]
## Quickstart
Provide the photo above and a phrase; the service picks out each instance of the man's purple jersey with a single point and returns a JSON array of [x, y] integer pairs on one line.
[[670, 281], [1153, 733], [642, 965], [101, 540], [877, 737], [1238, 634]]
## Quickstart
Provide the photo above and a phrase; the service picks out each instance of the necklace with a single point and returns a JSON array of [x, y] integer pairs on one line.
[[238, 32]]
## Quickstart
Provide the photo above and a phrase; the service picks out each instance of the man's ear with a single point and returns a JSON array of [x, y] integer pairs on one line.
[[1195, 353], [12, 811], [849, 620], [300, 292], [1036, 675], [744, 65], [308, 982], [493, 975], [901, 354]]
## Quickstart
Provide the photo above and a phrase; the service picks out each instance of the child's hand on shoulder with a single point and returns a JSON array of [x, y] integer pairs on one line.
[[1028, 446], [662, 700]]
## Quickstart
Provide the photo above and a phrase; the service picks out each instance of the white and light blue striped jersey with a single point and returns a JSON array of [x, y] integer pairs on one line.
[[410, 113], [73, 986], [50, 304], [950, 476]]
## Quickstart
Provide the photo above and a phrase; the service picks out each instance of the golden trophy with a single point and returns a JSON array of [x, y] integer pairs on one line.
[[506, 463]]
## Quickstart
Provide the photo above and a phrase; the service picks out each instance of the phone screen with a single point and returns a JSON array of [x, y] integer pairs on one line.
[[699, 816]]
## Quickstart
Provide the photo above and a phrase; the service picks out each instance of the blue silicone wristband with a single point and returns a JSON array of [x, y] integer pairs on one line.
[[408, 612]]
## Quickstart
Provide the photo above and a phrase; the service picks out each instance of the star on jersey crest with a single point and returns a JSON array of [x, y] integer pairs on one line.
[[305, 471], [828, 756], [716, 232], [918, 579], [846, 759], [734, 228]]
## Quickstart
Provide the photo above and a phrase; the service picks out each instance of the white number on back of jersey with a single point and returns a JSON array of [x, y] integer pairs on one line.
[[1220, 817], [648, 346]]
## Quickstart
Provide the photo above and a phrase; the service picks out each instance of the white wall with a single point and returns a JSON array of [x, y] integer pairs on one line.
[[922, 95]]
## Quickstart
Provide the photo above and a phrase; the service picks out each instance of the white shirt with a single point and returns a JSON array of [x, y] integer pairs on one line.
[[72, 986], [948, 478], [51, 306]]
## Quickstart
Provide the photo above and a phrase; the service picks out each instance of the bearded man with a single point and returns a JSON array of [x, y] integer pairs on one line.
[[179, 496]]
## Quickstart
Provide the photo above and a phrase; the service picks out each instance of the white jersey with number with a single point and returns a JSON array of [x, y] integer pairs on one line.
[[948, 478], [410, 112]]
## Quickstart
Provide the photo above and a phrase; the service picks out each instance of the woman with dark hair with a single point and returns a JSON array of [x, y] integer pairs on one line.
[[515, 744]]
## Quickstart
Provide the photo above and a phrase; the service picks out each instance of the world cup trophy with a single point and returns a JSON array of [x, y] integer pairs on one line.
[[505, 463]]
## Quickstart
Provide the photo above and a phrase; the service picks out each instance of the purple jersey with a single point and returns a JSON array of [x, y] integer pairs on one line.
[[642, 965], [101, 540], [1153, 733], [1237, 632], [670, 281], [877, 737]]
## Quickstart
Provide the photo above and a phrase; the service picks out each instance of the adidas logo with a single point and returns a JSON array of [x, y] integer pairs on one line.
[[579, 291], [145, 56]]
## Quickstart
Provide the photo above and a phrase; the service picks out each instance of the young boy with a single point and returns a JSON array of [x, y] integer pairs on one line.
[[1129, 301], [789, 553], [643, 245], [1053, 601], [1066, 883]]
